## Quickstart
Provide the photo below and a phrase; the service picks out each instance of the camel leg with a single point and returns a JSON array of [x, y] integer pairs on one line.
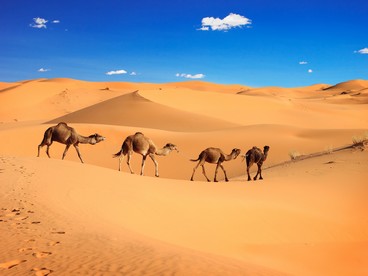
[[79, 155], [128, 162], [248, 167], [78, 152], [258, 172], [46, 141], [204, 173], [39, 148], [64, 153], [121, 159], [249, 178], [223, 169], [156, 164], [47, 151], [143, 163], [194, 169], [215, 179]]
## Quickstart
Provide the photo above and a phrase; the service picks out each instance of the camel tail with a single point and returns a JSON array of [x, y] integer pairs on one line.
[[246, 157], [194, 160], [118, 154]]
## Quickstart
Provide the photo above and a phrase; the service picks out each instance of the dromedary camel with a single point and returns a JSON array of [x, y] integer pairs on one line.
[[214, 156], [143, 145], [67, 135], [255, 155]]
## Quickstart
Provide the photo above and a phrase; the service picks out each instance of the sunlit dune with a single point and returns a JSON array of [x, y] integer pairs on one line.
[[306, 217], [353, 85]]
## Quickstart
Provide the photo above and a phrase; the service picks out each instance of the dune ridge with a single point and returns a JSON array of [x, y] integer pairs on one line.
[[61, 217]]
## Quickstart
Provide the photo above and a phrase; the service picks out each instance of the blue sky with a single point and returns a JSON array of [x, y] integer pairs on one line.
[[285, 43]]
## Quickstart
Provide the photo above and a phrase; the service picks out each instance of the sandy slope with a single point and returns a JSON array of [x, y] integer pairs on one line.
[[305, 218]]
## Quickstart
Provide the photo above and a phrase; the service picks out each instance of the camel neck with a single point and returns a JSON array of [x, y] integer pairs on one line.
[[163, 151], [229, 157], [84, 139]]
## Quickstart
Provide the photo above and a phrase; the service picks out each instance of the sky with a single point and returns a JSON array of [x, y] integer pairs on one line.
[[258, 43]]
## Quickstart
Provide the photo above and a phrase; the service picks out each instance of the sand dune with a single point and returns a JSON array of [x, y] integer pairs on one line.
[[352, 85], [67, 218], [134, 110]]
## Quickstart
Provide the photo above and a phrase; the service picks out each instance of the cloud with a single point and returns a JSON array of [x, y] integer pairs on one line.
[[39, 23], [303, 62], [310, 71], [55, 21], [116, 72], [42, 70], [363, 51], [190, 76], [233, 20], [133, 74]]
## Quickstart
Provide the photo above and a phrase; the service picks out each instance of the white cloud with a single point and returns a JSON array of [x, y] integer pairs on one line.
[[310, 71], [116, 72], [233, 20], [42, 70], [363, 51], [303, 62], [190, 76], [133, 73], [55, 21], [39, 23]]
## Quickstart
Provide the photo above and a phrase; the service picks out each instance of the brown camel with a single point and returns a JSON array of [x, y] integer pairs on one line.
[[64, 134], [143, 145], [255, 155], [214, 156]]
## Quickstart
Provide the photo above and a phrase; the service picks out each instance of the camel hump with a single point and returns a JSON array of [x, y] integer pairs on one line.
[[249, 152], [62, 124]]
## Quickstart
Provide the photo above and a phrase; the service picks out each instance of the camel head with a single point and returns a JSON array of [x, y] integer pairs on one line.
[[235, 152], [96, 138], [171, 147]]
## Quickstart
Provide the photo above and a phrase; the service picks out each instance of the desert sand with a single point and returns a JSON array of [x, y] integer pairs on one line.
[[308, 216]]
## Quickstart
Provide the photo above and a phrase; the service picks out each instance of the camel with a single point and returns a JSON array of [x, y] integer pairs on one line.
[[214, 156], [144, 146], [255, 155], [67, 135]]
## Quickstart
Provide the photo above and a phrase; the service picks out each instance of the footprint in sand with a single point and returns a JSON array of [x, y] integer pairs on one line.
[[11, 264], [25, 249], [41, 254], [41, 271], [30, 240], [53, 243], [21, 218], [58, 232]]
